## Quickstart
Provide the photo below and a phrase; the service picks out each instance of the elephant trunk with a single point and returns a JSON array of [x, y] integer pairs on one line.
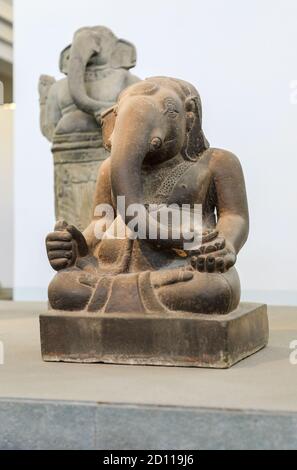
[[130, 145]]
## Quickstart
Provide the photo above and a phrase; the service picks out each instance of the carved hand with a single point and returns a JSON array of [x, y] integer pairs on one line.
[[65, 245], [44, 84], [214, 256]]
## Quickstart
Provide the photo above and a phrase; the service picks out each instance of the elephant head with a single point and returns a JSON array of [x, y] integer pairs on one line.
[[153, 121], [98, 46]]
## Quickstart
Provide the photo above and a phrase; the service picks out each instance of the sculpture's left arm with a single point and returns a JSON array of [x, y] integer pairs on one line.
[[232, 206], [131, 79]]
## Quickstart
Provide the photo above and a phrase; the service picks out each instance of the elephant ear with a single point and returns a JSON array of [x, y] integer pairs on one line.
[[196, 141], [123, 55], [64, 59], [108, 119]]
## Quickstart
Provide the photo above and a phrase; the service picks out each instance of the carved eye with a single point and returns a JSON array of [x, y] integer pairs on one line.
[[170, 107], [155, 144]]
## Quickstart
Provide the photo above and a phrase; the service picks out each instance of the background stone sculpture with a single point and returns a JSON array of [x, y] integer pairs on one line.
[[96, 66], [160, 156]]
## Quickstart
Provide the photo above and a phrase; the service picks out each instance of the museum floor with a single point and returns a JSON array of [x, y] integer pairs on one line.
[[78, 406]]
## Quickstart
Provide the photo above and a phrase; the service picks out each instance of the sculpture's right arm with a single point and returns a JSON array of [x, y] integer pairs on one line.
[[102, 197], [50, 112]]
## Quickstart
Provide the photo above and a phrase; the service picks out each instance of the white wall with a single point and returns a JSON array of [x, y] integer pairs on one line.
[[242, 58]]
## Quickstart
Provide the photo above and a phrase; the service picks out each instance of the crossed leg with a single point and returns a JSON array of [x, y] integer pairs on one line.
[[204, 293]]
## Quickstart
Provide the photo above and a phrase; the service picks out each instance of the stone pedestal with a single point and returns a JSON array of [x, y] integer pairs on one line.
[[175, 339], [79, 406]]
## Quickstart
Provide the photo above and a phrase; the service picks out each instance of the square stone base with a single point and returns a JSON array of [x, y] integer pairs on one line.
[[175, 339]]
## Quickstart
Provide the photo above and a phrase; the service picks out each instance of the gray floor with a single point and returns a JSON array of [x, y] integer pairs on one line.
[[200, 408]]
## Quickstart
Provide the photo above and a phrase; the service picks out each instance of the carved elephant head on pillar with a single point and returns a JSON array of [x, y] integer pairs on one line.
[[93, 46]]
